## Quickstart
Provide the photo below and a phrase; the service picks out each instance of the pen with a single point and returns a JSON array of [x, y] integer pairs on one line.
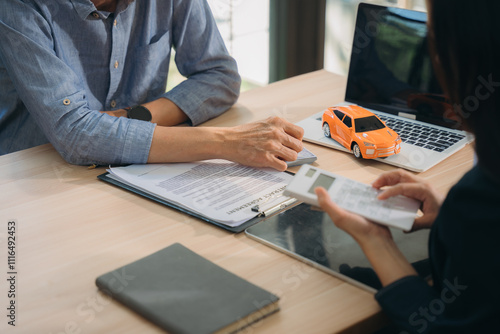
[[278, 207]]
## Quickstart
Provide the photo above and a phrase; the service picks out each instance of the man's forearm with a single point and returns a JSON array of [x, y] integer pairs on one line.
[[165, 113], [180, 144], [266, 143]]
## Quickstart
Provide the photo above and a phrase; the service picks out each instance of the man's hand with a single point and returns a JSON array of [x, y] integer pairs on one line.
[[400, 182], [266, 143]]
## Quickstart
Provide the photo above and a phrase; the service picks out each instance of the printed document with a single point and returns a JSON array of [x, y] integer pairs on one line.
[[217, 189]]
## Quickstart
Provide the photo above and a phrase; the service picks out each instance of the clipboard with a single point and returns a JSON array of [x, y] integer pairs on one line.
[[235, 229]]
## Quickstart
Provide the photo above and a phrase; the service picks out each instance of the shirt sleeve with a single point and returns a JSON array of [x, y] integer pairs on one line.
[[55, 96], [402, 301], [213, 82]]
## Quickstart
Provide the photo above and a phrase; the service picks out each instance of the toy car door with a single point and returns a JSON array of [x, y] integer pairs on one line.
[[345, 131], [337, 131]]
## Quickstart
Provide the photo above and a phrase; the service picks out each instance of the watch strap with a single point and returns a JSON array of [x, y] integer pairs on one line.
[[139, 112]]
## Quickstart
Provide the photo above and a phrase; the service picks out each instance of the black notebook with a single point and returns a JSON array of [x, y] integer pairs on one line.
[[182, 292]]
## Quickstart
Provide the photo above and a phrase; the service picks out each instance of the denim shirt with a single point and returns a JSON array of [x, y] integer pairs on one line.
[[62, 61]]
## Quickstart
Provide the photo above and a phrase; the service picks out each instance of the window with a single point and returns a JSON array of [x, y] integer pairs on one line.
[[340, 20], [339, 114], [347, 121], [244, 26], [369, 123]]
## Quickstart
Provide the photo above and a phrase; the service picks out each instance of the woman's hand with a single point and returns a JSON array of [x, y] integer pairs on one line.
[[361, 229], [400, 182], [375, 241]]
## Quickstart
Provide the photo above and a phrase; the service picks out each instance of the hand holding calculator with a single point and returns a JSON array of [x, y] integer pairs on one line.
[[353, 196]]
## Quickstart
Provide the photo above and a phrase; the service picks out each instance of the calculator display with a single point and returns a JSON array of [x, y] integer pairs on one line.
[[324, 181], [310, 172]]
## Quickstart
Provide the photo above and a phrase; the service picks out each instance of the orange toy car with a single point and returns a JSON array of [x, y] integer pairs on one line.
[[360, 131]]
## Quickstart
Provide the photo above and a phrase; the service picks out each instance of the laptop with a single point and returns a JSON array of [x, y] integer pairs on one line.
[[391, 75]]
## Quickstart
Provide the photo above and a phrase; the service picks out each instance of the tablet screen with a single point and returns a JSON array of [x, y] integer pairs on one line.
[[305, 233]]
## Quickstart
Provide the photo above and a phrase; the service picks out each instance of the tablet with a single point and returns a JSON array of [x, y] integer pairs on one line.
[[310, 236]]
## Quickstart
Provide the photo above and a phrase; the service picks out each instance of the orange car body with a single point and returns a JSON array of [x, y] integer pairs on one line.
[[360, 131]]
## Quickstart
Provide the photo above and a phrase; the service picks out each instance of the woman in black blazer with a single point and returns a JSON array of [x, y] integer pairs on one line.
[[464, 243]]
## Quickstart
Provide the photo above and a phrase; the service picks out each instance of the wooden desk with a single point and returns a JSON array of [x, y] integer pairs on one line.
[[72, 228]]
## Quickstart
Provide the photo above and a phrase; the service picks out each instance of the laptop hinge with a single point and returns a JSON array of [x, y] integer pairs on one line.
[[405, 115]]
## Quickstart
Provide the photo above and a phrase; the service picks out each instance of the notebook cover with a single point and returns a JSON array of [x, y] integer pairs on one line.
[[240, 228], [182, 292]]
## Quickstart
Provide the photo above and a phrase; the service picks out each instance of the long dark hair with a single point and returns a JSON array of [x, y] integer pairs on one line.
[[464, 37]]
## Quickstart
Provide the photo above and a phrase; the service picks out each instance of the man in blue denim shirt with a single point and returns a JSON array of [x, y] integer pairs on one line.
[[68, 70]]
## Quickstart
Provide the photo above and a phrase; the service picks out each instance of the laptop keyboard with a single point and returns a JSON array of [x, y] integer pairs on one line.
[[423, 136]]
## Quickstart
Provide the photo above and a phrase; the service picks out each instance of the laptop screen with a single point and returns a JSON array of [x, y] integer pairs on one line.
[[391, 70]]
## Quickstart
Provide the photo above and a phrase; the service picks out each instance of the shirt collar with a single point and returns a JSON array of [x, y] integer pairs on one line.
[[86, 7]]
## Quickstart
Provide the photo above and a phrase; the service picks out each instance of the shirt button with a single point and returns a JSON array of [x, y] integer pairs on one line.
[[115, 23], [94, 14], [116, 64], [67, 102], [113, 104]]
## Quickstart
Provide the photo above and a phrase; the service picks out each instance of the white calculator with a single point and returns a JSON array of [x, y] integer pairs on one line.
[[353, 196]]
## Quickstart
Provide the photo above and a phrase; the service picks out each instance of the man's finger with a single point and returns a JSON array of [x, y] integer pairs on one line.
[[287, 154], [278, 164], [293, 130], [292, 143]]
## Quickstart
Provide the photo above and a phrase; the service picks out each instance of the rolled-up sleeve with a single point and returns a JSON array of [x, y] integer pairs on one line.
[[213, 83], [56, 98], [61, 63]]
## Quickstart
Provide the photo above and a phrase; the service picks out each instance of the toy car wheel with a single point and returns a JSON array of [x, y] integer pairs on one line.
[[326, 130], [356, 151]]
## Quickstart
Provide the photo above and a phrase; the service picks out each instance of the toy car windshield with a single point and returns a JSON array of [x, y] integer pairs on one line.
[[369, 123]]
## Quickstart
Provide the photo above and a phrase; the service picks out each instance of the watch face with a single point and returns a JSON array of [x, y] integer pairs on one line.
[[140, 113]]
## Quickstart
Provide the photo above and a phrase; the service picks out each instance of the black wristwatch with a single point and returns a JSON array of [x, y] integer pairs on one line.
[[139, 112]]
